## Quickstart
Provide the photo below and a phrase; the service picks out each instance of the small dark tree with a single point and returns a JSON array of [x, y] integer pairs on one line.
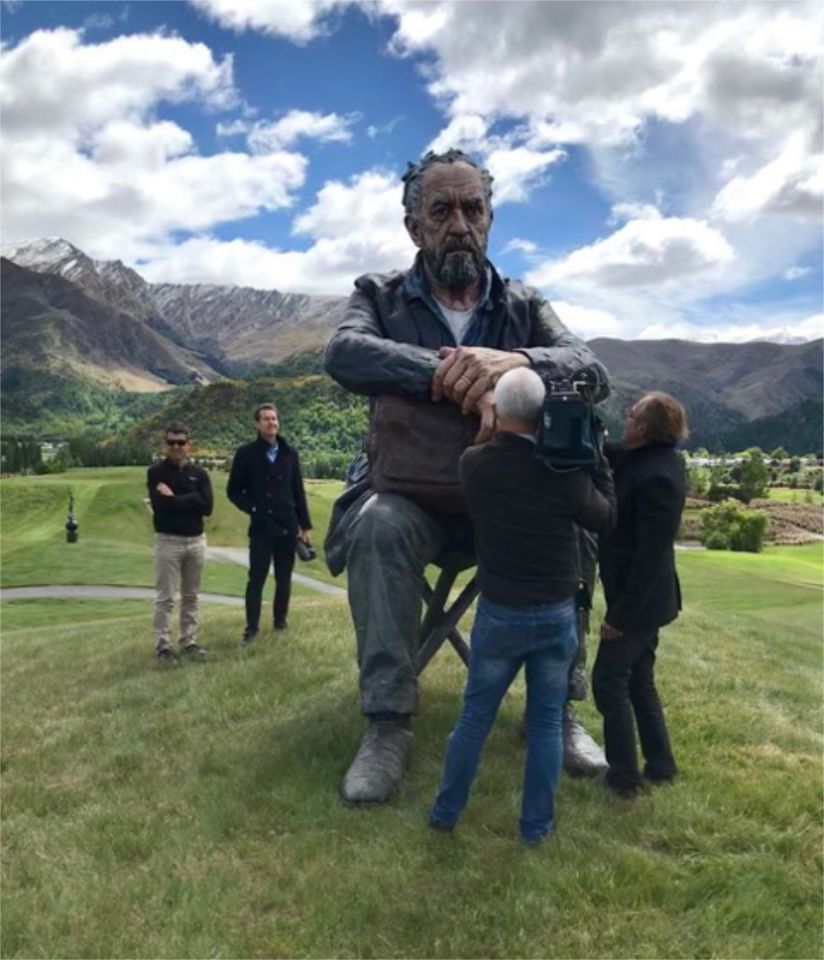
[[754, 477], [727, 527]]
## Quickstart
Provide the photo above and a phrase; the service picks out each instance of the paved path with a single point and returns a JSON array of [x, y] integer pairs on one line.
[[101, 593], [240, 555]]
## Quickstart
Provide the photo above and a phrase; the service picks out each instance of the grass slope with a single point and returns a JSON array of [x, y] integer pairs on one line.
[[115, 542], [194, 812]]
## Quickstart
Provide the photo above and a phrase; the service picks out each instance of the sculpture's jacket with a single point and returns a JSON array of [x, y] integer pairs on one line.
[[390, 333]]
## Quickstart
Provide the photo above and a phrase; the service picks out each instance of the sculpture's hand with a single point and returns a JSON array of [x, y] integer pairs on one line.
[[467, 373], [487, 414]]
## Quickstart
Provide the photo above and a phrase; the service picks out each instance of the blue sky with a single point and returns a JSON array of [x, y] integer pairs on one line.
[[657, 165]]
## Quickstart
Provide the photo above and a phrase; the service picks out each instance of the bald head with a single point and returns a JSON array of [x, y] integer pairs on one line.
[[518, 398]]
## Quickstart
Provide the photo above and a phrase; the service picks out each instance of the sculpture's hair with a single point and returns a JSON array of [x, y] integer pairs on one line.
[[177, 427], [413, 178], [519, 395], [665, 417], [264, 406]]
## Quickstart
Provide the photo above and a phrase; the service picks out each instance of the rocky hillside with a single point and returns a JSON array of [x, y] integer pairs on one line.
[[83, 323], [235, 330], [53, 325]]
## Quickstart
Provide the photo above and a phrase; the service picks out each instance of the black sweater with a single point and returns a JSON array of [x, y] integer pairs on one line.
[[524, 515], [181, 515], [266, 491]]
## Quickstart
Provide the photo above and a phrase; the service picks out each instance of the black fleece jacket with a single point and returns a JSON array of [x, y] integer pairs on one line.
[[524, 515], [181, 515]]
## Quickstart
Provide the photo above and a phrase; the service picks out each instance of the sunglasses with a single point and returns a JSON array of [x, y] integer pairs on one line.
[[176, 443]]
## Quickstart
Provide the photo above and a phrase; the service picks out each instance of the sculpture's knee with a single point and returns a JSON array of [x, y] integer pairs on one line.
[[387, 524]]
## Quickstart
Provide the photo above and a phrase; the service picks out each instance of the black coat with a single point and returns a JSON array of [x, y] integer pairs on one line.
[[637, 558], [269, 493]]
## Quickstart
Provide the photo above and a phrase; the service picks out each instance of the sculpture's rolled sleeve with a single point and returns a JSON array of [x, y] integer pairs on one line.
[[557, 354], [362, 359]]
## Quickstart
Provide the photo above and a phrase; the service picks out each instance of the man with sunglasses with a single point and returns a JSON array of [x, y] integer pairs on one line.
[[181, 496]]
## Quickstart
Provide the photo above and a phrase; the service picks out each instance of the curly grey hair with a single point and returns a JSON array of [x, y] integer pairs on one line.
[[413, 178]]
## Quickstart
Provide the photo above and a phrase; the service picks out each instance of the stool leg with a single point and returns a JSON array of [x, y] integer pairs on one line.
[[436, 600], [443, 625]]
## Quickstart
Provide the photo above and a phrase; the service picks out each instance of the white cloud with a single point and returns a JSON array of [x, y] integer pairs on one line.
[[53, 81], [373, 131], [796, 273], [519, 170], [588, 322], [807, 328], [791, 183], [98, 21], [596, 73], [232, 128], [354, 226], [634, 211], [523, 246], [296, 20], [646, 252], [516, 168], [297, 124], [465, 132], [96, 168]]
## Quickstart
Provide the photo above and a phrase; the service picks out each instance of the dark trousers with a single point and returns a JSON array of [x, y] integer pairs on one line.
[[623, 682], [279, 550]]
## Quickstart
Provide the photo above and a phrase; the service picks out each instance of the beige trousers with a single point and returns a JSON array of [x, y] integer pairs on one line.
[[178, 561]]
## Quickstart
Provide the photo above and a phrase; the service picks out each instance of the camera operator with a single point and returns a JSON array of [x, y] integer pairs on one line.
[[524, 515]]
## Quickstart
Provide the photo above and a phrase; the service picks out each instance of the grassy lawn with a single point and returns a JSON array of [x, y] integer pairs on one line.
[[194, 812], [788, 495], [115, 542]]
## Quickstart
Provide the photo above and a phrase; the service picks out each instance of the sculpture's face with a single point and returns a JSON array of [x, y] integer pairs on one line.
[[177, 447], [452, 226]]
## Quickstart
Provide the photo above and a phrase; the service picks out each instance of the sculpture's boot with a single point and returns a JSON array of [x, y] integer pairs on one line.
[[377, 771], [582, 755]]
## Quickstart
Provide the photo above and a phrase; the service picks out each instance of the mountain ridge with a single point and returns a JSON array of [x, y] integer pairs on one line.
[[72, 320]]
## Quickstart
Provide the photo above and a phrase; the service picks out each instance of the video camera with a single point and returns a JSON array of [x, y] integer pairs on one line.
[[569, 434]]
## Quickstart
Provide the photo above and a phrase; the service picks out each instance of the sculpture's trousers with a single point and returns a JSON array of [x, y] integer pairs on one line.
[[389, 544]]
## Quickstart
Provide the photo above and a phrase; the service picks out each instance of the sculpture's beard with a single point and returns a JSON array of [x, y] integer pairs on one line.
[[457, 268]]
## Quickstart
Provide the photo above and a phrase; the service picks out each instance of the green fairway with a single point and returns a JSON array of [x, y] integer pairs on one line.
[[193, 811], [788, 495], [115, 542], [781, 586]]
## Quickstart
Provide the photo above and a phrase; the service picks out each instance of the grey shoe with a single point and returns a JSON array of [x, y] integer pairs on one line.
[[248, 637], [379, 765], [582, 755], [166, 655]]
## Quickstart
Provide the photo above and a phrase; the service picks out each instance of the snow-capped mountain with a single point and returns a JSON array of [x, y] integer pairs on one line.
[[236, 328]]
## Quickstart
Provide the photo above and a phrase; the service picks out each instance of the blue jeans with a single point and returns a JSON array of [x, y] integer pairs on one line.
[[543, 638]]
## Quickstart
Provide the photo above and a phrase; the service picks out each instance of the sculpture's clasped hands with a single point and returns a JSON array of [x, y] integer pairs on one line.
[[465, 374]]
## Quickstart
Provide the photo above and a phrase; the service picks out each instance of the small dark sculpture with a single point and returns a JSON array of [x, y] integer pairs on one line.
[[72, 525]]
